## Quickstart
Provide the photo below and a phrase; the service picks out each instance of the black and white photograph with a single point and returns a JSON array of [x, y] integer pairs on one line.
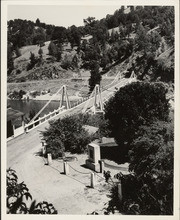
[[90, 93]]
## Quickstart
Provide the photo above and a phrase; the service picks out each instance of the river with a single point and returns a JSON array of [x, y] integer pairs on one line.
[[35, 105]]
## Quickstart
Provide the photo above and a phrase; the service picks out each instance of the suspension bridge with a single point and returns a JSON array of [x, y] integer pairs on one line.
[[94, 102]]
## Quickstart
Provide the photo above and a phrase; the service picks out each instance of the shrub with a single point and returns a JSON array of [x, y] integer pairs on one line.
[[66, 134], [17, 95], [66, 62], [18, 71]]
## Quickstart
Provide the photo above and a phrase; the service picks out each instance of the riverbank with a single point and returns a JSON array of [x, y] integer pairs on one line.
[[58, 97], [46, 97]]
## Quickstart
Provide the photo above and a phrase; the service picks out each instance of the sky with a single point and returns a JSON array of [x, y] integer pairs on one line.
[[60, 15]]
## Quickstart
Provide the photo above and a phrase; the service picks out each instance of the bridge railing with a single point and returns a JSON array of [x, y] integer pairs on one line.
[[43, 119], [40, 120]]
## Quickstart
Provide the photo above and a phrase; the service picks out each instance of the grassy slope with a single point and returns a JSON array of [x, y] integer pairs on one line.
[[47, 67]]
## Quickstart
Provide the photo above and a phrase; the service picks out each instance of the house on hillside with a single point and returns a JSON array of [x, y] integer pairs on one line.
[[15, 122]]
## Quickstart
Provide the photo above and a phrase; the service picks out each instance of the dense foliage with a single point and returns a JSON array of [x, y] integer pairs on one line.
[[33, 61], [18, 197], [138, 118], [55, 50], [95, 77], [17, 95], [66, 134], [148, 190], [134, 105]]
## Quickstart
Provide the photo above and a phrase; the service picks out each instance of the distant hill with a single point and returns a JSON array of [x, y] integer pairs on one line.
[[133, 38]]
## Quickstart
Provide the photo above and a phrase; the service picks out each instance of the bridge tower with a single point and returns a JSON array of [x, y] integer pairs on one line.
[[64, 97], [133, 75], [98, 106], [97, 103]]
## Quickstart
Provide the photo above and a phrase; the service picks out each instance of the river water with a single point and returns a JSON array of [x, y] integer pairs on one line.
[[35, 105]]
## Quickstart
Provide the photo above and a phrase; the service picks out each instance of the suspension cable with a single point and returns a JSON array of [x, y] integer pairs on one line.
[[87, 103], [45, 105]]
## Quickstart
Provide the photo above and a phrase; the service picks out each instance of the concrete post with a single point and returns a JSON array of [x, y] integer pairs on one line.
[[64, 164], [49, 159], [43, 149], [101, 166], [66, 168], [92, 180], [23, 123], [120, 191]]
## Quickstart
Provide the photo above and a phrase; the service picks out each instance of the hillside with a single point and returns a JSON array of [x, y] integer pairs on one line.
[[129, 40]]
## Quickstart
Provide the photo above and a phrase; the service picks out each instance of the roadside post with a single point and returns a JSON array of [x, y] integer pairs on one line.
[[92, 180], [49, 159], [66, 168], [101, 166], [120, 191]]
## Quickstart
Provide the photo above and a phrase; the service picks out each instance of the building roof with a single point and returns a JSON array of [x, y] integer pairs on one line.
[[90, 129], [13, 114], [108, 142]]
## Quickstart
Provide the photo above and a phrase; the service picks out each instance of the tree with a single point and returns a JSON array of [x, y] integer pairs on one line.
[[18, 52], [10, 62], [40, 52], [112, 38], [66, 62], [150, 144], [136, 104], [105, 60], [55, 50], [141, 39], [39, 36], [18, 197], [59, 34], [154, 41], [33, 61], [66, 134], [151, 161], [74, 36], [52, 49], [89, 21], [148, 189], [37, 22], [95, 77]]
